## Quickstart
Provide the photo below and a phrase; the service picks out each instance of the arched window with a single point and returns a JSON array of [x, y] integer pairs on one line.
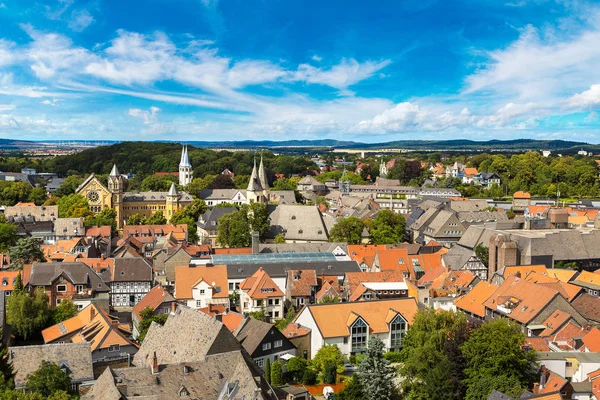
[[397, 331], [359, 333]]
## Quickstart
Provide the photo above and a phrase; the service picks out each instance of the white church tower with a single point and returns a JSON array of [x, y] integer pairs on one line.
[[185, 168]]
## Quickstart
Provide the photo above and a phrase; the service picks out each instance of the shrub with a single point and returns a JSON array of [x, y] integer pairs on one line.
[[393, 357], [276, 374], [310, 377], [329, 372]]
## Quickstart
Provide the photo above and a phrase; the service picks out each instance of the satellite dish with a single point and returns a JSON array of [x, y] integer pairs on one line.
[[213, 284]]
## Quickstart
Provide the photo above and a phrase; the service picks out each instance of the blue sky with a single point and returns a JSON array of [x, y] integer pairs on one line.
[[240, 69]]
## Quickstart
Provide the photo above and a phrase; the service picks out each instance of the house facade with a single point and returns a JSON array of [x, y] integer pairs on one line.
[[263, 341], [259, 292], [130, 282], [349, 325], [201, 286]]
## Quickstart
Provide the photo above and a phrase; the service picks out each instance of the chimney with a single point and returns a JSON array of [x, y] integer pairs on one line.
[[154, 364], [255, 242], [92, 312], [114, 322], [173, 307]]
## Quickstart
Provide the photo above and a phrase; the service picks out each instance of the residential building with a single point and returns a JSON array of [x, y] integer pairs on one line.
[[263, 341], [75, 359], [375, 285], [310, 184], [208, 224], [588, 306], [590, 282], [158, 299], [348, 325], [573, 365], [300, 337], [200, 286], [299, 224], [74, 281], [259, 292], [29, 212], [521, 200], [129, 281], [528, 304], [469, 175], [472, 303], [7, 281], [107, 337], [301, 287], [149, 234]]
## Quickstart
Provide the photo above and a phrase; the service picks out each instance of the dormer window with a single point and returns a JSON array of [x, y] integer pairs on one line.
[[359, 333]]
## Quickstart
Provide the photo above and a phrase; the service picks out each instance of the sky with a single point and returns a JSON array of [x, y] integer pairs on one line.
[[193, 70]]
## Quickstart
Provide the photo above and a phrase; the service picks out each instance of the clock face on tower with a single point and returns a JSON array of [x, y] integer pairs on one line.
[[93, 196]]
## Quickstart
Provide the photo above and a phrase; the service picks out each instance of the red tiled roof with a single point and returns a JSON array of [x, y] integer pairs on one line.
[[154, 298], [302, 281], [294, 330], [592, 340], [260, 286]]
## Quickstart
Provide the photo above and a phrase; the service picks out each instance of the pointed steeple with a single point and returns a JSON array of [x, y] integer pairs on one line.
[[185, 161], [172, 190], [114, 171], [262, 175], [254, 184]]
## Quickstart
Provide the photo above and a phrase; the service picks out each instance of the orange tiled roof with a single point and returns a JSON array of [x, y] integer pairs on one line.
[[521, 195], [104, 231], [553, 384], [154, 298], [260, 286], [7, 279], [523, 270], [241, 250], [188, 277], [453, 280], [91, 325], [556, 320], [592, 340], [360, 252], [301, 282], [431, 275], [528, 298], [295, 330], [473, 301], [538, 343], [587, 277], [537, 210], [354, 279], [470, 172], [333, 320], [568, 333], [568, 291], [100, 264], [232, 320], [328, 289], [24, 204]]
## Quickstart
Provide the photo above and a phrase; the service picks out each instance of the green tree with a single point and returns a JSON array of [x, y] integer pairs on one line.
[[18, 286], [27, 314], [279, 238], [48, 379], [8, 236], [388, 228], [268, 370], [65, 310], [328, 353], [375, 373], [494, 354], [26, 251], [296, 366], [234, 230], [432, 359], [136, 219], [327, 299], [329, 372], [158, 218], [155, 183], [347, 230], [353, 390], [310, 377], [7, 372], [73, 206], [148, 317], [38, 196], [483, 252], [277, 374], [69, 186], [106, 217], [285, 184], [289, 317], [260, 315], [258, 218]]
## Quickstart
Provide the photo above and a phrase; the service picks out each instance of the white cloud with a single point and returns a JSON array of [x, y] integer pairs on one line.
[[592, 116], [347, 73], [149, 116], [506, 114], [539, 64], [7, 107], [80, 19], [586, 99], [317, 58]]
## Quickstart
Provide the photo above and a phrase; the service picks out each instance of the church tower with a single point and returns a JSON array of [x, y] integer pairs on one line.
[[185, 168], [116, 188], [255, 192], [264, 182], [172, 197]]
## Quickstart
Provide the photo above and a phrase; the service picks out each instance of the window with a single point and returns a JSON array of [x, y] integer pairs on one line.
[[79, 288], [397, 330], [198, 303], [276, 302], [231, 286], [61, 288], [270, 302], [278, 343], [114, 347], [276, 315], [266, 346], [260, 362], [201, 291], [359, 335]]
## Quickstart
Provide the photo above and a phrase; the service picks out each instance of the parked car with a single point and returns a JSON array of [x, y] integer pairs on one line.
[[350, 368]]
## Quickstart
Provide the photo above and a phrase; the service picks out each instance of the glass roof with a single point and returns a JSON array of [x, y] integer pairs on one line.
[[270, 258]]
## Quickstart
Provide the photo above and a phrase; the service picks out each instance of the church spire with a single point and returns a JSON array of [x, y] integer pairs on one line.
[[262, 174], [185, 161], [114, 171], [185, 168], [254, 184]]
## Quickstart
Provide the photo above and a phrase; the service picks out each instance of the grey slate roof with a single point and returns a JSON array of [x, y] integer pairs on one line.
[[457, 257], [251, 332], [43, 274], [297, 223], [482, 216], [588, 306], [203, 336], [210, 219], [284, 196], [69, 227], [279, 270], [220, 194], [154, 196], [134, 269], [438, 222], [469, 205], [475, 235], [301, 247], [76, 357], [207, 380]]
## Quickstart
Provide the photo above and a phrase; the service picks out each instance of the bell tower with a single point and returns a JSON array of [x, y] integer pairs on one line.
[[185, 168], [116, 187]]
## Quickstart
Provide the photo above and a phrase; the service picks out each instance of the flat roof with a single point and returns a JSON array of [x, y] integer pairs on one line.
[[563, 355]]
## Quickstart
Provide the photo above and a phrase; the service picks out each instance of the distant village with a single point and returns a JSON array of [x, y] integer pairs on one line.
[[169, 310]]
